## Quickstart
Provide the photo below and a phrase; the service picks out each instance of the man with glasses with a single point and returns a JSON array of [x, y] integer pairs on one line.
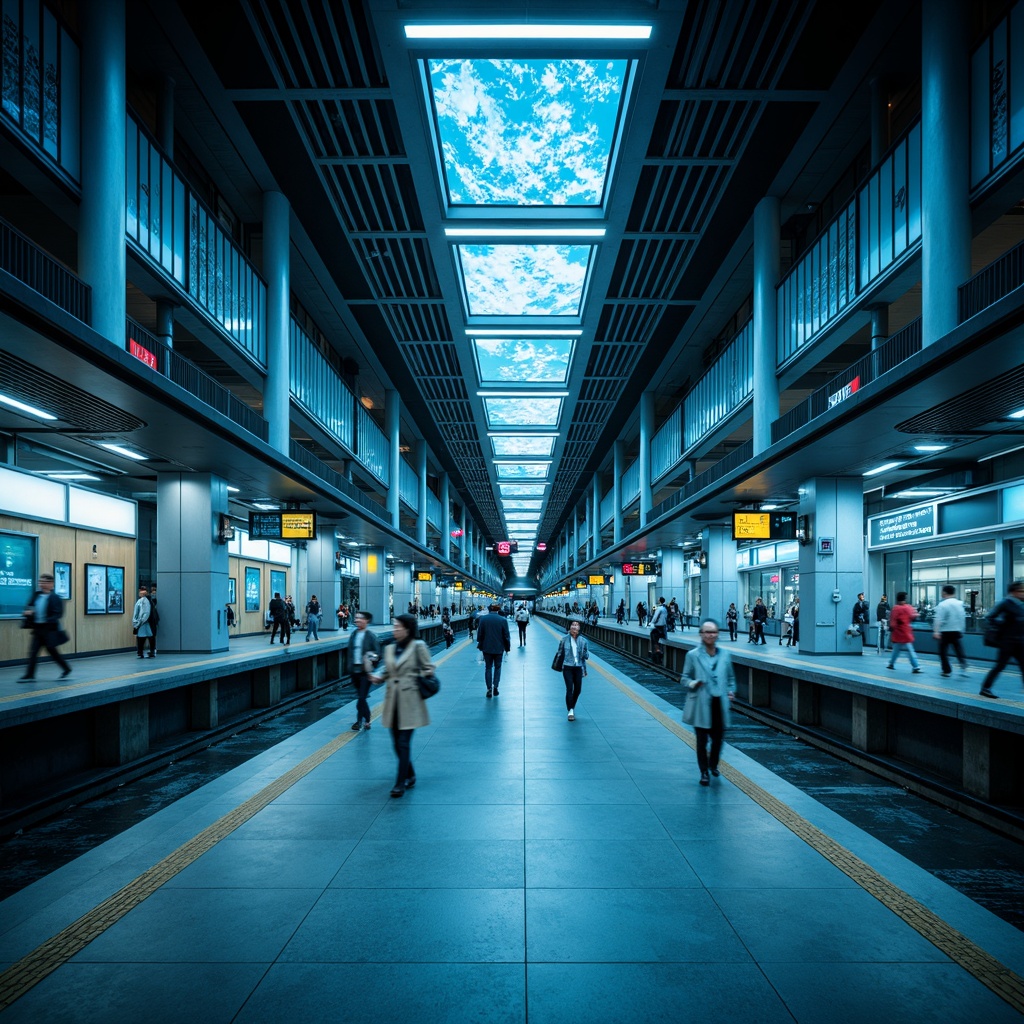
[[42, 615], [709, 676]]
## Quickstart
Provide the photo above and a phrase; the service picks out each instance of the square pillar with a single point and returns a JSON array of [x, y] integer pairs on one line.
[[804, 705], [373, 585], [122, 731], [977, 777], [869, 725], [323, 579], [266, 686], [205, 707], [719, 580], [308, 674], [759, 689]]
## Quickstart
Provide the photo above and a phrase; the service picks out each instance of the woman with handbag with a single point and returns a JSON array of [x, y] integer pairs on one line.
[[140, 621], [571, 657], [404, 707], [709, 675]]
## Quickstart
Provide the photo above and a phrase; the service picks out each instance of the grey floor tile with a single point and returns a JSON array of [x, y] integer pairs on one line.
[[570, 791], [593, 821], [567, 769], [607, 863], [434, 863], [310, 821], [472, 788], [334, 792], [408, 819]]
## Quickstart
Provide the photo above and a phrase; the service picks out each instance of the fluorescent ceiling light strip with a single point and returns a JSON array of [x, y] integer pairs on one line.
[[1018, 415], [532, 31], [30, 409], [525, 232], [930, 447], [1005, 451], [516, 332], [232, 490], [517, 433], [69, 476], [884, 468], [119, 450], [522, 394], [523, 462]]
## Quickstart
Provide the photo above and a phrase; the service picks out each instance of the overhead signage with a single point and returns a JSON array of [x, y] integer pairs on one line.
[[506, 547], [459, 585], [600, 581], [445, 581], [641, 569], [142, 353], [582, 584], [424, 577], [764, 526], [844, 393], [895, 527], [282, 525]]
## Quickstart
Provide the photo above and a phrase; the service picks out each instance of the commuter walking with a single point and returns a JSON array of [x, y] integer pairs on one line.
[[900, 618], [343, 614], [575, 653], [949, 625], [620, 613], [279, 617], [862, 620], [759, 616], [154, 621], [1007, 619], [42, 615], [493, 640], [313, 619], [794, 630], [404, 709], [673, 615], [641, 613], [882, 613], [229, 617], [711, 680], [522, 621], [140, 621], [732, 618], [363, 655]]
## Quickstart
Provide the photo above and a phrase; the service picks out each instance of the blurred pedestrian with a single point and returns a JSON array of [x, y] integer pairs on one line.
[[42, 615], [900, 618], [711, 680], [949, 625], [1007, 620], [363, 655]]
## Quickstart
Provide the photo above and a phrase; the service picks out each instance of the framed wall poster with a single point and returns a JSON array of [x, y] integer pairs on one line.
[[252, 589], [62, 580], [278, 582], [95, 590], [115, 590], [232, 598], [18, 559]]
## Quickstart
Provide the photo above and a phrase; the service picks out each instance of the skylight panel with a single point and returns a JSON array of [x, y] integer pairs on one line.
[[524, 280], [521, 504], [522, 470], [523, 412], [522, 490], [524, 517], [518, 132], [523, 360], [524, 445]]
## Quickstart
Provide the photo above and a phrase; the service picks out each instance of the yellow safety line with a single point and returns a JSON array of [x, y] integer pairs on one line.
[[51, 954], [995, 975]]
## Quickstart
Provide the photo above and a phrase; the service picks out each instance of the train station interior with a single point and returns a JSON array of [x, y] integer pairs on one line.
[[404, 307]]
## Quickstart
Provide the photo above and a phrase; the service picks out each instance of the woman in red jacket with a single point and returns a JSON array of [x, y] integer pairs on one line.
[[900, 618]]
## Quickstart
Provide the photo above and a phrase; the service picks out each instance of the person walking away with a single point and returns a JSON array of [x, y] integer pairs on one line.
[[862, 620], [42, 615], [574, 665], [154, 621], [900, 618], [343, 615], [140, 621], [732, 618], [363, 655], [293, 621], [404, 709], [1007, 618], [279, 617], [709, 676], [313, 619], [620, 612], [493, 640], [673, 615], [522, 621], [229, 618], [659, 628], [794, 632], [759, 616], [882, 613], [949, 625], [641, 613]]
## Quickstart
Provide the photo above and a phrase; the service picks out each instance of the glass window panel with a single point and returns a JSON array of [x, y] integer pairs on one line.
[[50, 109], [521, 503], [524, 445], [524, 490], [69, 155], [515, 132], [524, 280], [523, 471], [523, 360], [521, 412]]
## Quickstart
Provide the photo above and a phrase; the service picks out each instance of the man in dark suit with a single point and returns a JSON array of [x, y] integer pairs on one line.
[[42, 615], [363, 648], [492, 637], [279, 614]]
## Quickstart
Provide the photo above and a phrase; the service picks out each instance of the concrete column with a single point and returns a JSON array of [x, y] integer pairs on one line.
[[373, 585], [977, 771], [392, 421], [719, 581], [446, 519], [869, 724], [618, 467], [323, 579], [575, 540], [277, 271], [673, 578], [192, 564], [421, 497], [205, 705], [595, 546], [402, 589], [121, 731], [766, 280], [101, 212], [829, 583], [463, 540], [646, 434], [945, 174], [805, 711], [879, 326], [165, 322]]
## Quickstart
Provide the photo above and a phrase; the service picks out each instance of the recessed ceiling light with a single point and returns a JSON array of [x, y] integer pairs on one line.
[[522, 394], [265, 508], [525, 232], [884, 468], [515, 332], [30, 409], [1018, 415], [528, 31], [69, 475], [232, 490], [769, 508], [930, 447], [121, 450]]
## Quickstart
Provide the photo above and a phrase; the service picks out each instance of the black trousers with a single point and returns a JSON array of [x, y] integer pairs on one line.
[[41, 639], [286, 631], [1015, 651], [947, 640], [492, 669], [402, 739], [759, 632], [715, 734], [573, 676], [362, 683], [522, 633], [733, 629]]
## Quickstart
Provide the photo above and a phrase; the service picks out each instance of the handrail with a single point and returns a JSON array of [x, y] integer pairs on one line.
[[319, 468], [22, 258], [991, 283]]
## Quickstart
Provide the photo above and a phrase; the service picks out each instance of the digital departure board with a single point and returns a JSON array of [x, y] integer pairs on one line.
[[599, 581], [764, 526], [506, 547], [424, 577], [641, 569], [279, 525]]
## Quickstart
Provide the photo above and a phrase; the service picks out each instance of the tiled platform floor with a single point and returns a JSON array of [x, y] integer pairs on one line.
[[541, 870]]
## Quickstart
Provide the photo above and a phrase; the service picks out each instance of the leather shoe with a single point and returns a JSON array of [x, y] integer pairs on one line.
[[65, 673], [715, 772], [988, 693], [397, 792], [27, 679], [409, 783], [704, 780]]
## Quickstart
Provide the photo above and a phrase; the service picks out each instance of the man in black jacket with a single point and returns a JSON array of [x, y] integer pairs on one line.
[[363, 653], [1007, 618], [42, 615], [279, 613], [493, 639], [862, 619]]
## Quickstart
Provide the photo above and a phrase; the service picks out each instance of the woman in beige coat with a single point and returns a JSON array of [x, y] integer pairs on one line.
[[404, 709]]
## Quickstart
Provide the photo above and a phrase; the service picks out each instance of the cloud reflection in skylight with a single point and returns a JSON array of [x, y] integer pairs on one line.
[[522, 471], [521, 504], [524, 280], [524, 360], [523, 445], [523, 412], [522, 490]]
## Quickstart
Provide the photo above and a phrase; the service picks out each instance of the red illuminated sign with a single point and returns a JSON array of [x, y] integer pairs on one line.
[[506, 547], [142, 354]]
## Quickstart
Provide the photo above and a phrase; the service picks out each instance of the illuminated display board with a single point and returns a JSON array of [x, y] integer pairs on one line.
[[506, 547], [641, 569], [582, 584], [424, 577], [600, 581], [458, 584], [764, 526], [282, 525]]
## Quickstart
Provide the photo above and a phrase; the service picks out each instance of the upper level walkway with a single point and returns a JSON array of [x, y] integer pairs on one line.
[[540, 870]]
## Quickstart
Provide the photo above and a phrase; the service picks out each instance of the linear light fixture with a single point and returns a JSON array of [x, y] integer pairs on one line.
[[525, 460], [65, 475], [1005, 451], [524, 232], [30, 409], [1018, 415], [530, 31], [265, 508], [516, 332], [522, 394], [519, 432], [930, 447], [120, 450], [884, 468], [232, 490]]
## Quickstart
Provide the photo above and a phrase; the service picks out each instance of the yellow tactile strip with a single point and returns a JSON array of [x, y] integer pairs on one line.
[[961, 950], [47, 957]]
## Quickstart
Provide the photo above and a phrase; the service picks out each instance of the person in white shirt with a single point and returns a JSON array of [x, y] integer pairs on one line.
[[949, 624]]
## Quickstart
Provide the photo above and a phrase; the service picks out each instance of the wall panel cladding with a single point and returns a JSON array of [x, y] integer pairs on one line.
[[930, 741], [835, 712]]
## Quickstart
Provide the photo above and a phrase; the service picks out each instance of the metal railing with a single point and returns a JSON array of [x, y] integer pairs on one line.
[[372, 446], [992, 283], [744, 453], [23, 259], [309, 462], [890, 354], [153, 353]]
